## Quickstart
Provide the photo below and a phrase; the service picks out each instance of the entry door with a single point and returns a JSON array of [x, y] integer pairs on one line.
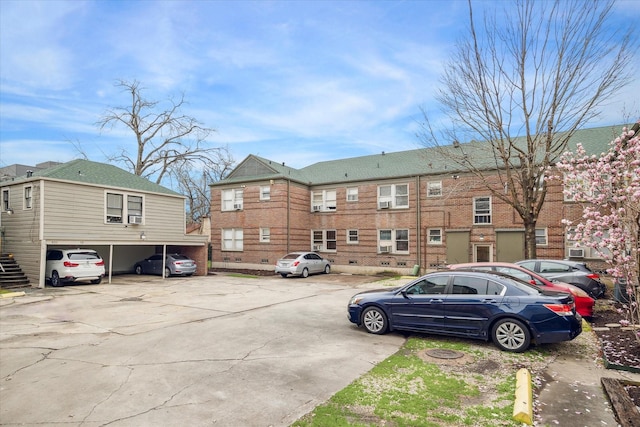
[[482, 253]]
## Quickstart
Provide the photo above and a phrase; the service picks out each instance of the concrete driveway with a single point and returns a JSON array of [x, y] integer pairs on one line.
[[215, 350]]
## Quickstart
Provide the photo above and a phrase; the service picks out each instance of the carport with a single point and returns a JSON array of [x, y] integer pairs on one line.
[[120, 257]]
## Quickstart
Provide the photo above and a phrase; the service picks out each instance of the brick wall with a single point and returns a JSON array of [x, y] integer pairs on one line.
[[289, 217]]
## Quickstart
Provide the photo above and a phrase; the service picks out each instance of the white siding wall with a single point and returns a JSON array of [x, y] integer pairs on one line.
[[77, 212]]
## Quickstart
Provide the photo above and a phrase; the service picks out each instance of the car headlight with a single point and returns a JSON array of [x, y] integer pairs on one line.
[[355, 299]]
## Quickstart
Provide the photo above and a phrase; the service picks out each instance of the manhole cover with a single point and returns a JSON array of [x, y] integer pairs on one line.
[[439, 353]]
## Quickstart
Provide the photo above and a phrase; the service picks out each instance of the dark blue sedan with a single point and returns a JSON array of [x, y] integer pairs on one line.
[[480, 305]]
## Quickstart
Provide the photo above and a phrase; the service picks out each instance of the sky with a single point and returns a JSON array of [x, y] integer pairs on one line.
[[293, 81]]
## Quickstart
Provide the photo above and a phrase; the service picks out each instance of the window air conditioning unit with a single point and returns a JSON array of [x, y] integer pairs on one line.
[[135, 219], [385, 249], [317, 208], [317, 247], [576, 253], [237, 206], [384, 205]]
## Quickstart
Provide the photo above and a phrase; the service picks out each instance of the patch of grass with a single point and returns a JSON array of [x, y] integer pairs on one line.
[[405, 390], [244, 276], [5, 291]]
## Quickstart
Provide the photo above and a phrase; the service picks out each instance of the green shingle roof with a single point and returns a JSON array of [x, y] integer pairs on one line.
[[88, 172], [424, 161]]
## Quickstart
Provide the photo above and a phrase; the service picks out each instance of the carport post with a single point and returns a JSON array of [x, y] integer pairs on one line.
[[110, 261], [164, 259]]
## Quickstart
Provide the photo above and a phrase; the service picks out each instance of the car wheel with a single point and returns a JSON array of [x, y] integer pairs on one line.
[[283, 274], [511, 335], [167, 272], [374, 320], [305, 272], [327, 269], [138, 269], [55, 279], [97, 281]]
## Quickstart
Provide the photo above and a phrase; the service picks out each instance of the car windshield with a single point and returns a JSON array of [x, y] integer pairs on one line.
[[176, 256], [291, 256], [83, 255]]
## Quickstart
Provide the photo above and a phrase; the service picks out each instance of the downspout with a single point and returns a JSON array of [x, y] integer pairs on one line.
[[43, 243], [288, 214], [418, 227]]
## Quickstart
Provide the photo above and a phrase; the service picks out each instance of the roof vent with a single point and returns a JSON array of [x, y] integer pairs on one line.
[[29, 173]]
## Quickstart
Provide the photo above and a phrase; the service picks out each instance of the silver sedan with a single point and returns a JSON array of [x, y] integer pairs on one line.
[[302, 264]]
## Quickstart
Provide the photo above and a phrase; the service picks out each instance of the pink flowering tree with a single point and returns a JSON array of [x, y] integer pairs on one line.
[[608, 186]]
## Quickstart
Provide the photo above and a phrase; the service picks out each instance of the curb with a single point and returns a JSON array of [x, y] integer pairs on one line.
[[12, 294]]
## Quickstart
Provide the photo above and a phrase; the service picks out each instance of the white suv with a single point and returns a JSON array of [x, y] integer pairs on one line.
[[70, 265]]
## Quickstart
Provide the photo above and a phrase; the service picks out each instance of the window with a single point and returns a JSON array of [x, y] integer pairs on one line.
[[323, 200], [232, 239], [5, 200], [324, 240], [352, 236], [352, 194], [114, 208], [541, 236], [119, 213], [393, 196], [434, 188], [393, 241], [435, 236], [573, 248], [475, 286], [134, 205], [433, 286], [265, 235], [553, 267], [28, 197], [232, 199], [574, 186], [265, 192], [482, 210]]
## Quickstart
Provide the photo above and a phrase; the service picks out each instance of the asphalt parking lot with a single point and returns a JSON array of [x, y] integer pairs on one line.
[[215, 350]]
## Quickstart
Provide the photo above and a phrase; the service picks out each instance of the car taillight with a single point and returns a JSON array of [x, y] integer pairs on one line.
[[177, 263], [561, 309], [70, 264], [295, 263], [100, 263], [593, 276]]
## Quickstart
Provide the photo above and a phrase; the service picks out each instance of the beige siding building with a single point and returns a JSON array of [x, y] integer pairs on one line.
[[92, 205]]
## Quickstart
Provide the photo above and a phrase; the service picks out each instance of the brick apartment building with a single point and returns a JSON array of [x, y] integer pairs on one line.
[[383, 212]]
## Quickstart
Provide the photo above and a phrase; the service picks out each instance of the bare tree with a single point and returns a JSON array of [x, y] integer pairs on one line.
[[166, 140], [193, 181], [523, 83]]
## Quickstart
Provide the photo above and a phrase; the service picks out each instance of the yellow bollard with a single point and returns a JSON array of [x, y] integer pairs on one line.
[[523, 405]]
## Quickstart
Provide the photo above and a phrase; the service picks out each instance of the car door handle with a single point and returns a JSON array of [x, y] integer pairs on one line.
[[489, 301], [436, 300]]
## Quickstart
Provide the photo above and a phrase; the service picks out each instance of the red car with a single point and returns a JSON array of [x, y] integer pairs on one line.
[[584, 303]]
